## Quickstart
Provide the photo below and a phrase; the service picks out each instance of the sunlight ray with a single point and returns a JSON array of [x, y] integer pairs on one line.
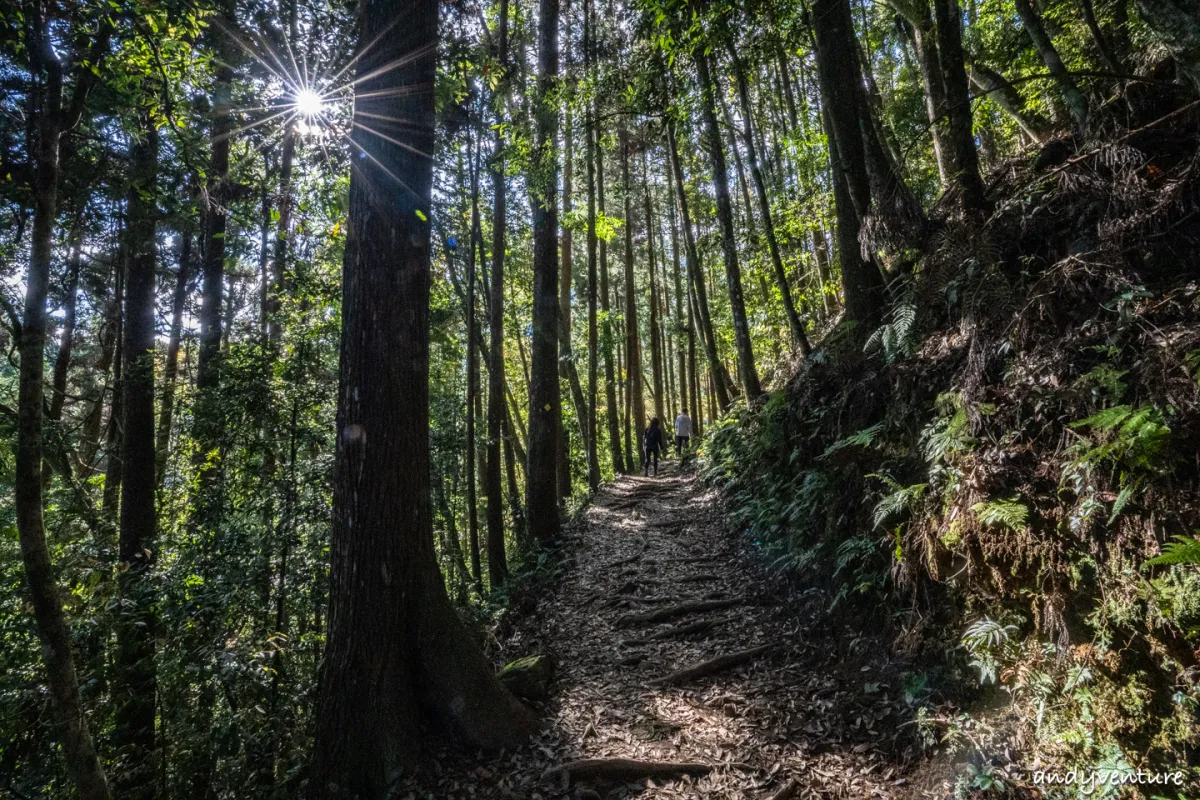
[[242, 129], [391, 139], [420, 52], [408, 122], [403, 90], [365, 50], [378, 163], [250, 52], [258, 148]]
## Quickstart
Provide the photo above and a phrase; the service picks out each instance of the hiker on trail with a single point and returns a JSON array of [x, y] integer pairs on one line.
[[683, 432], [652, 443]]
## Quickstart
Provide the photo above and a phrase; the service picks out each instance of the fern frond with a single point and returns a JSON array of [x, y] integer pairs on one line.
[[1009, 513], [1182, 550], [863, 438]]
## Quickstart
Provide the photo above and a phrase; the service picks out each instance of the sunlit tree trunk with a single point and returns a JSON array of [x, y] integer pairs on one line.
[[590, 155], [1042, 43], [610, 369], [656, 369], [633, 355], [958, 106]]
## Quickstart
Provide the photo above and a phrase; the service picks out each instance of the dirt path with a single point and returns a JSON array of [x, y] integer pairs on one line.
[[654, 584]]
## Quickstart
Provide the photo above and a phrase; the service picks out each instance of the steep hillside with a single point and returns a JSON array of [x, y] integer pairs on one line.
[[1002, 464]]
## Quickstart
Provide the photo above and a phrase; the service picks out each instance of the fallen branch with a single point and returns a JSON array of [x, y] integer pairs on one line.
[[699, 578], [699, 626], [671, 612], [717, 664], [623, 769]]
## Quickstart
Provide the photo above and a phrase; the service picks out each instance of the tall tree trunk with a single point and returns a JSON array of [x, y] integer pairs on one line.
[[473, 374], [747, 371], [171, 365], [593, 332], [566, 356], [1076, 104], [958, 106], [696, 275], [633, 354], [681, 350], [545, 412], [656, 369], [1006, 96], [764, 205], [66, 342], [49, 125], [135, 686], [610, 369], [840, 81], [397, 655], [111, 497], [918, 24], [497, 560]]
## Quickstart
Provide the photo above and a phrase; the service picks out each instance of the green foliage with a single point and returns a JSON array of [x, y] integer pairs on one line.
[[1181, 550], [895, 339], [1007, 513], [900, 499]]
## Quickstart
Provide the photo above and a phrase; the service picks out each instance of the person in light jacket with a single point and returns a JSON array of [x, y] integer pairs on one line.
[[683, 432]]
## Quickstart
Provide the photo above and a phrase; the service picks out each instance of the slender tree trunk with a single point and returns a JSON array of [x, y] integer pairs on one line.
[[545, 412], [111, 496], [610, 370], [633, 355], [656, 369], [171, 364], [135, 686], [1005, 95], [473, 375], [497, 560], [49, 125], [748, 372], [924, 42], [764, 206], [681, 350], [696, 275], [566, 356], [593, 332], [66, 342], [1076, 104], [958, 106], [397, 655]]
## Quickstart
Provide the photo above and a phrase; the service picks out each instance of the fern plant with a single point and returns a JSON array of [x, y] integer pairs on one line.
[[1006, 513], [1181, 550], [863, 438], [985, 640], [901, 498], [895, 339]]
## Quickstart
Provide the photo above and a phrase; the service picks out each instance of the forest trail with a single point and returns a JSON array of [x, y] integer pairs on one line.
[[654, 584]]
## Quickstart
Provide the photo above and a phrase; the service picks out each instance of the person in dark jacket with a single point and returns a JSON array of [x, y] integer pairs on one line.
[[652, 445]]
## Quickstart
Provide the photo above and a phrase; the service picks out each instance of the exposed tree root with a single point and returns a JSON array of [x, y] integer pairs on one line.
[[623, 769], [664, 614], [698, 578], [789, 790], [721, 662], [629, 560], [699, 626]]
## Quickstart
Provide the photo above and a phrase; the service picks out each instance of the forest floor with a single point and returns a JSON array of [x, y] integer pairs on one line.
[[789, 714]]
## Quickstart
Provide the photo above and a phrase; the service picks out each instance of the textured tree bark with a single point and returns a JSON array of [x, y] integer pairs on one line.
[[1076, 104], [135, 685], [497, 559], [545, 413], [764, 205], [748, 372], [396, 655], [51, 121], [958, 106], [696, 274], [633, 351], [839, 78]]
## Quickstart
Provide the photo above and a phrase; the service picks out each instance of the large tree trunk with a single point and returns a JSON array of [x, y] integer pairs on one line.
[[497, 560], [545, 412], [136, 685], [633, 350], [840, 81], [696, 275], [747, 371], [50, 122], [958, 106], [397, 657], [764, 205], [1076, 104]]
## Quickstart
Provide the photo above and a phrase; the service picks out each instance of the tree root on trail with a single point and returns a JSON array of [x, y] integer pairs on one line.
[[699, 626], [789, 790], [698, 578], [721, 662], [629, 560], [622, 769], [664, 614]]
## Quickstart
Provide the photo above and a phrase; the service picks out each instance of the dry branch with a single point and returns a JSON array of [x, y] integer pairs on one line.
[[717, 664], [699, 626]]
